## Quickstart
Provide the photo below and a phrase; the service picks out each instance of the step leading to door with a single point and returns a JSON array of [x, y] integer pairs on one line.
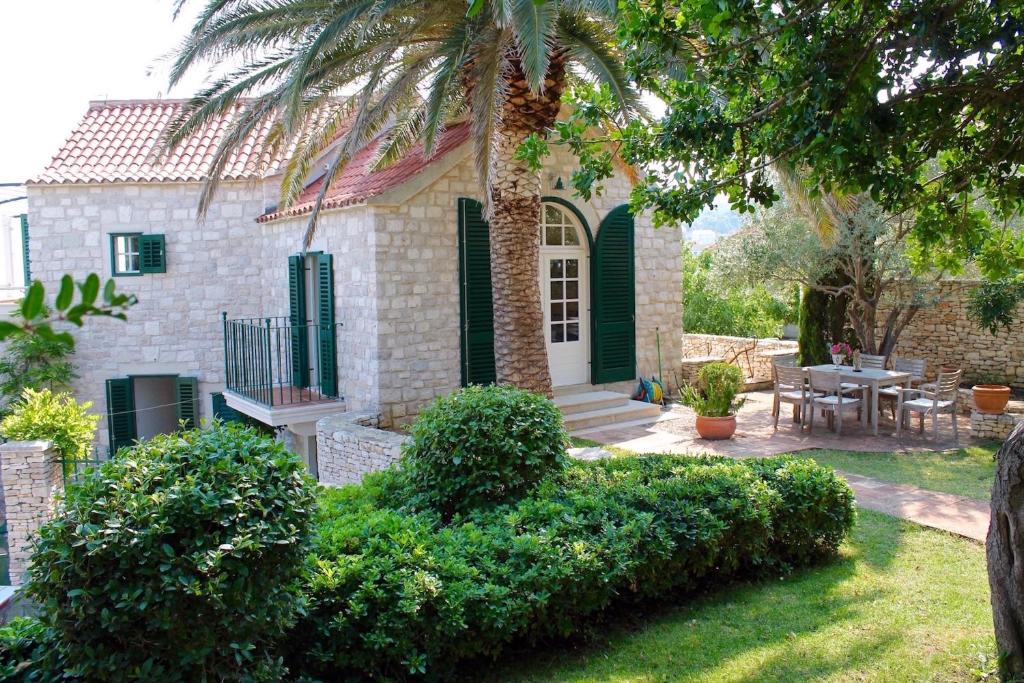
[[603, 409]]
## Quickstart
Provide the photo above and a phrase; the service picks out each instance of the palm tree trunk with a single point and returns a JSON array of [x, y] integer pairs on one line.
[[520, 352]]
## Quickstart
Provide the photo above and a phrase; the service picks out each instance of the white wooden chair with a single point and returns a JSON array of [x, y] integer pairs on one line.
[[786, 361], [874, 362], [929, 403], [890, 395], [791, 387], [834, 398]]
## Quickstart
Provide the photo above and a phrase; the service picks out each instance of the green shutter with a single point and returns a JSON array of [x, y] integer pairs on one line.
[[152, 254], [325, 317], [186, 392], [24, 249], [614, 299], [221, 410], [297, 320], [476, 306], [120, 413]]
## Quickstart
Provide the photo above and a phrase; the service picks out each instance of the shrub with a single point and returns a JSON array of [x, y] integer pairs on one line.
[[29, 652], [480, 446], [715, 392], [394, 592], [178, 560], [53, 417]]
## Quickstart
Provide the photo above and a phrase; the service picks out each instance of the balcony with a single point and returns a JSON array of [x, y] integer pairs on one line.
[[279, 373]]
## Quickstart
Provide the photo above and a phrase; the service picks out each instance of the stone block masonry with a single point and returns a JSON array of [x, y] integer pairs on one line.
[[32, 477], [699, 349], [993, 427], [350, 445]]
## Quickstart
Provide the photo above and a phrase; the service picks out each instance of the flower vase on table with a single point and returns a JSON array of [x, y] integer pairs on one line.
[[840, 352]]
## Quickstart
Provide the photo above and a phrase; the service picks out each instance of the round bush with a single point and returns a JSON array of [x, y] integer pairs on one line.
[[180, 559], [482, 445]]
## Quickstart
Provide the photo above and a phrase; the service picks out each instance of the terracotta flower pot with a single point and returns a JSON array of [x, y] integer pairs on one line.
[[715, 428], [990, 398]]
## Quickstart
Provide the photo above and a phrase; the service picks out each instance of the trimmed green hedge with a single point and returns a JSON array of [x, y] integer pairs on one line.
[[180, 559], [481, 446], [395, 591]]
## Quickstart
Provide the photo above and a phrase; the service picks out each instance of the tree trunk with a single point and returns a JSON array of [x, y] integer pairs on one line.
[[1005, 551], [520, 352]]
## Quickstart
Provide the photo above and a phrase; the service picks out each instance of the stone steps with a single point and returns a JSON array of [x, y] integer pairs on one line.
[[605, 409]]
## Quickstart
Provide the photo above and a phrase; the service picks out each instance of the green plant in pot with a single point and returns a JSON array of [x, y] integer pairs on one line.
[[713, 398]]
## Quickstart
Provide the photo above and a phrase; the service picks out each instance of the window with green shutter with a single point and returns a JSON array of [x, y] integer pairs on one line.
[[221, 410], [186, 390], [614, 299], [327, 340], [299, 338], [152, 254], [120, 413], [132, 253], [24, 249], [476, 305]]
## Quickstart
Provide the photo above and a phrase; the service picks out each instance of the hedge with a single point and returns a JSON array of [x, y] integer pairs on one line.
[[396, 591]]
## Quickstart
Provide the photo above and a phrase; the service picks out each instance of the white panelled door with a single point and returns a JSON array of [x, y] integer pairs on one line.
[[565, 293]]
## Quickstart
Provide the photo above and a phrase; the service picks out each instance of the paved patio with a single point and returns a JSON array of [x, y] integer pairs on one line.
[[755, 436], [674, 432]]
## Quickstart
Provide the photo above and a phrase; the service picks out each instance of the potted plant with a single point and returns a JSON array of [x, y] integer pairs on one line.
[[990, 396], [714, 400]]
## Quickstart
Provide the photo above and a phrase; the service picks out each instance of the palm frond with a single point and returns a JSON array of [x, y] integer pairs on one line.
[[489, 89], [533, 26]]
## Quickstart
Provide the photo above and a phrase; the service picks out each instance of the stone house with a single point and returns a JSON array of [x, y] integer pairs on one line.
[[389, 307]]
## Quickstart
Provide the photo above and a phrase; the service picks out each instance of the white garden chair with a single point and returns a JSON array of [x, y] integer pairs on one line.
[[929, 403], [916, 368], [834, 397], [791, 387], [874, 362]]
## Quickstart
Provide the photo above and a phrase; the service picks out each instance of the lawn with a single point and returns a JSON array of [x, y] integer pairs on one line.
[[903, 603], [965, 471]]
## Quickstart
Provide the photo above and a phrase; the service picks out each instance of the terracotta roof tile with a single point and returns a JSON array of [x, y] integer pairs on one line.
[[357, 182], [121, 142]]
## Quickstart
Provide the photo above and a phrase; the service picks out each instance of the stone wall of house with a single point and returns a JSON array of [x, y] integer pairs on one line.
[[418, 283], [943, 335], [349, 236], [31, 474], [212, 266], [350, 445], [756, 364]]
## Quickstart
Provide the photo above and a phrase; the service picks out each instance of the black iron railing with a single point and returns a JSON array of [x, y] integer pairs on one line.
[[274, 363]]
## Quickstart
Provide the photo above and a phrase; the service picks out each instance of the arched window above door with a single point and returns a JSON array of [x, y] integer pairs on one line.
[[558, 227]]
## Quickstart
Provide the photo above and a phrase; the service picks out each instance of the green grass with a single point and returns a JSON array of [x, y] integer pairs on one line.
[[966, 472], [903, 603]]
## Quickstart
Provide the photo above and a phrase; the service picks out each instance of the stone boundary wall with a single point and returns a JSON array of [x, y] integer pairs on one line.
[[32, 477], [350, 445], [943, 335], [757, 365]]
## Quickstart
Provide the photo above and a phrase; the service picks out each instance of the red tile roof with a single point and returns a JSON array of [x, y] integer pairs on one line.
[[357, 182], [122, 142]]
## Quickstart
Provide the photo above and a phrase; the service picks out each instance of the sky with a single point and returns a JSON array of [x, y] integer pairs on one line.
[[57, 55]]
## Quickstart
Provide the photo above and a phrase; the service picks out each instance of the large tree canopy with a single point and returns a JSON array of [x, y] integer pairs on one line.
[[915, 102]]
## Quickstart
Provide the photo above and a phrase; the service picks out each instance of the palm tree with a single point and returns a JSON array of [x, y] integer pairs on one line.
[[408, 68]]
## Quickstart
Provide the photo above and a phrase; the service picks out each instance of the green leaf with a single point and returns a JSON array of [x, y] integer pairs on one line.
[[90, 289], [32, 304], [66, 293]]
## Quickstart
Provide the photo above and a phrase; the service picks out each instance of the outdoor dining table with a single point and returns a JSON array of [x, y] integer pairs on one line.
[[868, 377]]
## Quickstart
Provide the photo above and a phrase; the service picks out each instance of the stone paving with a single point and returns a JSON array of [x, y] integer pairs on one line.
[[675, 433]]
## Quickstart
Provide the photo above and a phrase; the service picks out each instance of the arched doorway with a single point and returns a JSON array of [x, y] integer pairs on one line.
[[565, 294]]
